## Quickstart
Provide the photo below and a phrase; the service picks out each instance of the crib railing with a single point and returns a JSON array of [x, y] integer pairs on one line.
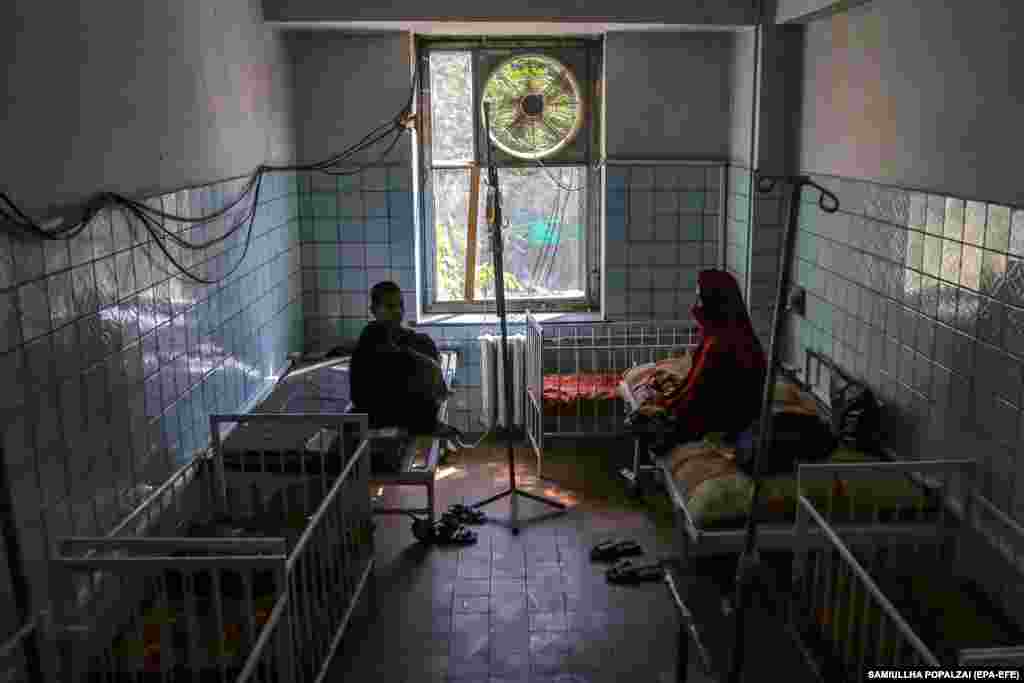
[[147, 595], [329, 568], [836, 596], [331, 562], [836, 604], [16, 663], [597, 347], [255, 608]]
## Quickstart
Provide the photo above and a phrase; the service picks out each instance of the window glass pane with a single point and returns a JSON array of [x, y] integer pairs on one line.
[[451, 106], [451, 202], [544, 234], [543, 237]]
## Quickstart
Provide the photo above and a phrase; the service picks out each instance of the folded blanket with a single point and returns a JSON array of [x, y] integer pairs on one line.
[[647, 380], [713, 486], [717, 492]]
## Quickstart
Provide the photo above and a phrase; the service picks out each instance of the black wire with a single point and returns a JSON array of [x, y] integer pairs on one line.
[[245, 250], [18, 218], [395, 123], [202, 219], [552, 178], [556, 238], [549, 251], [398, 136]]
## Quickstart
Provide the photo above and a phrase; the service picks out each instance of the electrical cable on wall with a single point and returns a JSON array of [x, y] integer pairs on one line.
[[13, 216]]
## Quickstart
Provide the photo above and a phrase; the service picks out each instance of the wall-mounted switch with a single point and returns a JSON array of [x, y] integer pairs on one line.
[[798, 301]]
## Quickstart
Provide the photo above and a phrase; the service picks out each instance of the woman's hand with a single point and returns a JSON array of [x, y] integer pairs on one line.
[[650, 410]]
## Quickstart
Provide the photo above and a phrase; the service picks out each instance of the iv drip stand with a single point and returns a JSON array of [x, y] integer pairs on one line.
[[749, 559], [494, 219]]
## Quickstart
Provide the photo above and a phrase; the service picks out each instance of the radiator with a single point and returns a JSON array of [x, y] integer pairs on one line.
[[492, 380]]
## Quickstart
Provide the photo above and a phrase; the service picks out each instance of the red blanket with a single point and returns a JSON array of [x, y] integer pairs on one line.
[[566, 389]]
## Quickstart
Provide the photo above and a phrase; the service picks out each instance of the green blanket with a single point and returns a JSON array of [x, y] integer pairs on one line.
[[722, 503]]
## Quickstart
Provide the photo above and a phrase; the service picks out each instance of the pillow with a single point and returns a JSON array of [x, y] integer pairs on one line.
[[721, 500], [637, 374], [856, 414], [691, 464]]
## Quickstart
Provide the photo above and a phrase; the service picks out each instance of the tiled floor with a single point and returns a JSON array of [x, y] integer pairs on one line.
[[526, 608]]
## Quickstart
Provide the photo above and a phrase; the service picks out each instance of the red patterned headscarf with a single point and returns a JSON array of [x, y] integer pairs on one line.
[[722, 391], [721, 313]]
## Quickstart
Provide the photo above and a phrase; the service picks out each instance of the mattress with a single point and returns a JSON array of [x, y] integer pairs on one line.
[[717, 493], [579, 393]]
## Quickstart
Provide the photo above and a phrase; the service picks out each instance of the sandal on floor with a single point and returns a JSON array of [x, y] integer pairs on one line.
[[609, 551], [446, 533], [466, 514], [626, 572]]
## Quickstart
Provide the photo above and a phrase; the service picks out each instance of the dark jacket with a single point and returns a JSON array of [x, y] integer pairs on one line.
[[392, 386]]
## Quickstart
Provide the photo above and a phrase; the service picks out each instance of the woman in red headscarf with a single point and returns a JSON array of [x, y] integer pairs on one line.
[[722, 391]]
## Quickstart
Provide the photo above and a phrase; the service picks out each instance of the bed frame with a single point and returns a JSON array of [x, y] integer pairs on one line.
[[605, 347], [863, 629], [155, 605], [325, 384], [695, 541]]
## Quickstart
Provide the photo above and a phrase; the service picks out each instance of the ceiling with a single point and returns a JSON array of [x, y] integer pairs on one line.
[[495, 28]]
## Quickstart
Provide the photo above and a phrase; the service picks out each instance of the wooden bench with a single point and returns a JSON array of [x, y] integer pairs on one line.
[[419, 457], [418, 461]]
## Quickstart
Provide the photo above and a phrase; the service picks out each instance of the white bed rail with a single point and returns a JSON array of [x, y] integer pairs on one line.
[[836, 601], [14, 656], [591, 347], [267, 608], [889, 642]]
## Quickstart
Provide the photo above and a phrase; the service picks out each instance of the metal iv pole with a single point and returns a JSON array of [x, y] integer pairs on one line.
[[494, 219], [749, 559]]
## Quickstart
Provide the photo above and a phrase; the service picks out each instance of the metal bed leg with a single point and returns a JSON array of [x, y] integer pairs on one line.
[[430, 502], [683, 655], [687, 632], [633, 476]]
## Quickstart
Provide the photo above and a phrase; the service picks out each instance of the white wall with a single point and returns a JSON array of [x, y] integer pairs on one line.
[[919, 94], [805, 10], [721, 12], [137, 97], [668, 95], [779, 99], [741, 74], [345, 86]]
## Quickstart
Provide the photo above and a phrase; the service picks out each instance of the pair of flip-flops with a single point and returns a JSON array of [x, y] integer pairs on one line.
[[465, 514], [451, 530], [615, 549], [625, 570]]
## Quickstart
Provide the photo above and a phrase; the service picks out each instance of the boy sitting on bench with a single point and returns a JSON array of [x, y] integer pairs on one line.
[[395, 373], [396, 379]]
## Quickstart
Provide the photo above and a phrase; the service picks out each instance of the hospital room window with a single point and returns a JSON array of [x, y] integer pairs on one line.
[[544, 132]]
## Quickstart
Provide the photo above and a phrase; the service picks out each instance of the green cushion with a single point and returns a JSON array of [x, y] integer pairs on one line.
[[723, 504]]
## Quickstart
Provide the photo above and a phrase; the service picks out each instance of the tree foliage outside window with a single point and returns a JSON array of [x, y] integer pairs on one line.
[[544, 207]]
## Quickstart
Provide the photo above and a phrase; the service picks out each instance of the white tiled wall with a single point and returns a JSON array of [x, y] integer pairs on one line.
[[922, 295], [112, 360]]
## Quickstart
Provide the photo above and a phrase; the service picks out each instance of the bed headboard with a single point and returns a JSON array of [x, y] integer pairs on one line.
[[814, 377]]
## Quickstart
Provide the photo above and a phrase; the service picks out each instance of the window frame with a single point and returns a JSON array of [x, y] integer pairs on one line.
[[592, 50]]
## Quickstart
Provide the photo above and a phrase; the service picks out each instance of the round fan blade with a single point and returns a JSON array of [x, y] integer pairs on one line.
[[561, 85], [554, 131], [519, 122]]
